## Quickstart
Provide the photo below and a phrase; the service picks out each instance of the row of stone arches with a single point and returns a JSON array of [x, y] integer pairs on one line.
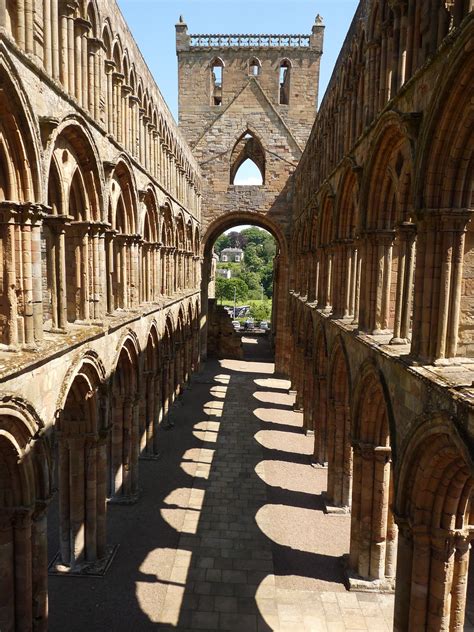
[[409, 491], [385, 48], [388, 246], [104, 422], [81, 239], [96, 68]]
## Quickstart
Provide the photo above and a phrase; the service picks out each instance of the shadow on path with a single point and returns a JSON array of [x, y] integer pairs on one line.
[[224, 524]]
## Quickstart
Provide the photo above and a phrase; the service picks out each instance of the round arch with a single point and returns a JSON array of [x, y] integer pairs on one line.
[[238, 218]]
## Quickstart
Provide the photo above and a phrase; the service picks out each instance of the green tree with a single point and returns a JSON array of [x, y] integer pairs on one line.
[[221, 242], [252, 279], [261, 311], [267, 279], [225, 289], [252, 261]]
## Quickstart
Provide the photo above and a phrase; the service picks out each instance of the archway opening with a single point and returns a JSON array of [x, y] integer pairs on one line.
[[247, 161], [248, 174], [240, 296]]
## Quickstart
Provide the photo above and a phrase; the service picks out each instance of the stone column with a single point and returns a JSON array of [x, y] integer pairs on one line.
[[321, 421], [339, 456], [7, 576], [109, 70], [404, 575], [158, 411], [459, 581], [39, 556], [117, 82], [101, 493], [406, 236], [127, 447], [23, 588], [380, 512]]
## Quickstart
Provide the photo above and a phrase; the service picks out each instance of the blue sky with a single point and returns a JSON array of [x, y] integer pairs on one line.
[[152, 24]]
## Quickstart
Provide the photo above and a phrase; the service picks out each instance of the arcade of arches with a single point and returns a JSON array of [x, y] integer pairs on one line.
[[108, 212]]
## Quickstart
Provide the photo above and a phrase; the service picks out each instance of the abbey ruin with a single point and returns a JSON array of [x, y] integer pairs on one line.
[[109, 211]]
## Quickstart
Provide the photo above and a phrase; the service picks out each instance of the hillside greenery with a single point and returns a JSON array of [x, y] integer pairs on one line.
[[252, 280]]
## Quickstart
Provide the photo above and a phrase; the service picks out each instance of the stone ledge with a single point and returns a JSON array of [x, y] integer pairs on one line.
[[318, 464], [358, 584], [333, 510], [87, 569], [124, 500]]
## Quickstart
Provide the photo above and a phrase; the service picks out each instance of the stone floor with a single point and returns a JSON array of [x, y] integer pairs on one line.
[[229, 532]]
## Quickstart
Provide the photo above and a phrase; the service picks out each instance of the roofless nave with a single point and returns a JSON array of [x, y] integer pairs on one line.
[[108, 216]]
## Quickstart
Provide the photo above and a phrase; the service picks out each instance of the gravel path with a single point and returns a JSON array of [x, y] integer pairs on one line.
[[229, 531]]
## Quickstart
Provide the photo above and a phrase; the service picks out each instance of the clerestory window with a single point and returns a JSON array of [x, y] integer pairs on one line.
[[285, 71], [247, 162], [254, 67], [217, 75]]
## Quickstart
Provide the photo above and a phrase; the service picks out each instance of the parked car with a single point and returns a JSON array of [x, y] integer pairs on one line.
[[264, 324], [249, 323], [236, 325]]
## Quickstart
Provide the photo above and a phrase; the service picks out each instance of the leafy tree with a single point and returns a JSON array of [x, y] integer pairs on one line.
[[235, 239], [252, 261], [252, 279], [221, 242], [267, 279], [225, 289], [255, 236], [261, 311]]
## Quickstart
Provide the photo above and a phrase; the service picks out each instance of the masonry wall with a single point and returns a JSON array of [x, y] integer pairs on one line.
[[379, 286], [100, 228]]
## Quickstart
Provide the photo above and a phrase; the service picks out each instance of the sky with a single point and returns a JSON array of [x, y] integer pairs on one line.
[[152, 24]]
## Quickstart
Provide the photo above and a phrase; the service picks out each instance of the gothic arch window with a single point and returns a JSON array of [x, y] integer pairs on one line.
[[284, 82], [217, 75], [248, 156], [255, 67]]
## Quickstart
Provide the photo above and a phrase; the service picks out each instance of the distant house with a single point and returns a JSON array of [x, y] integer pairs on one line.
[[232, 255]]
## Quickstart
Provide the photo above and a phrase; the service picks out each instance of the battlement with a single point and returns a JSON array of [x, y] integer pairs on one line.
[[205, 42], [250, 41]]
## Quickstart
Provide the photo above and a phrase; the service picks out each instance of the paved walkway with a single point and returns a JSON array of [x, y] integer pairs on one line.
[[229, 532]]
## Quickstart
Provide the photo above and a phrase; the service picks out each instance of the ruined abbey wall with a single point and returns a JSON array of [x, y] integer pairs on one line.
[[100, 273], [380, 289]]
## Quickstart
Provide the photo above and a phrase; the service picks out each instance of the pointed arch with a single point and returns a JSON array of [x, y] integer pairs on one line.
[[217, 80], [255, 67], [339, 428], [247, 147], [435, 506], [19, 146]]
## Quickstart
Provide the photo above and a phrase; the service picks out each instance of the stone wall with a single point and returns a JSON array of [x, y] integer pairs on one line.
[[100, 273], [379, 291], [250, 123]]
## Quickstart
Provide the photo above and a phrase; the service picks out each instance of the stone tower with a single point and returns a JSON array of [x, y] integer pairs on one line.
[[248, 97]]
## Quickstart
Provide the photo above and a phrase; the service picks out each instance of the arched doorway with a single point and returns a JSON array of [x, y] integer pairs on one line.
[[280, 275]]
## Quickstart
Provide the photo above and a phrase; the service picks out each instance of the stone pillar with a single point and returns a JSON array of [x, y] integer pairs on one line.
[[109, 71], [339, 456], [404, 575], [20, 226], [438, 283], [23, 587], [39, 556], [321, 421], [373, 531], [459, 581], [406, 236]]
